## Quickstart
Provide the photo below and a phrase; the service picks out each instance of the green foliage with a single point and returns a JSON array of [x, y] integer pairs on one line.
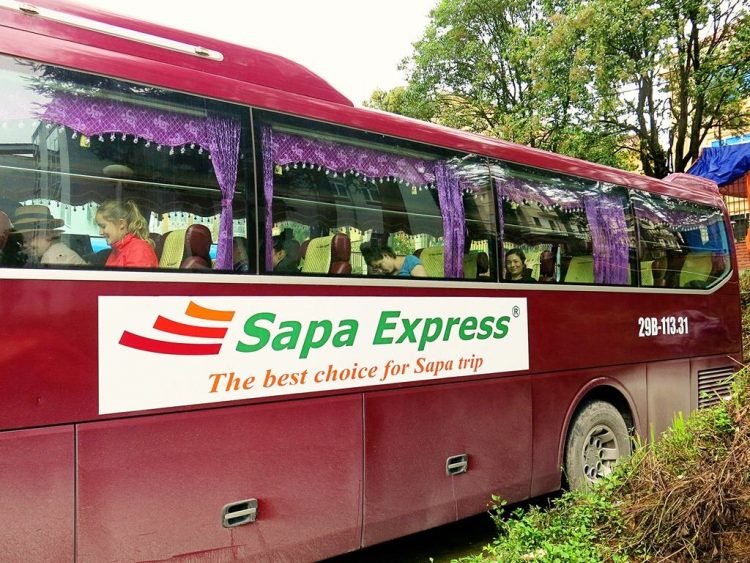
[[621, 82], [565, 532], [681, 498], [745, 306], [402, 101]]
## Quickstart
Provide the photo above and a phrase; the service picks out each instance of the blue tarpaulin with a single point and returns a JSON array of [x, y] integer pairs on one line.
[[723, 164]]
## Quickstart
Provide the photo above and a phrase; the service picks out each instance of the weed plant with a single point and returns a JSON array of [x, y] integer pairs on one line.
[[685, 497]]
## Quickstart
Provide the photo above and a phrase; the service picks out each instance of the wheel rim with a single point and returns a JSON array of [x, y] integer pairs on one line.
[[600, 452]]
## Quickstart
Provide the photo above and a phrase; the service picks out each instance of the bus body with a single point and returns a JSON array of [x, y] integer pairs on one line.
[[224, 412]]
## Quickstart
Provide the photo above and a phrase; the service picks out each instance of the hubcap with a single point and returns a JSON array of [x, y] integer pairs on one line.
[[600, 452]]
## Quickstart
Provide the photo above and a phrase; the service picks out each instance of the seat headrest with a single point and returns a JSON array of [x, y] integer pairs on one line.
[[341, 248], [173, 249], [198, 242]]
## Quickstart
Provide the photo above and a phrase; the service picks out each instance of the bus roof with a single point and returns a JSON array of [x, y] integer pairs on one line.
[[240, 63], [266, 81]]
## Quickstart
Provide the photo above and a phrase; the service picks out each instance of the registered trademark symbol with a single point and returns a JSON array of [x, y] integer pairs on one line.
[[516, 311]]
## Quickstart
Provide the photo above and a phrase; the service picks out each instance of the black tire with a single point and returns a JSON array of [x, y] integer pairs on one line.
[[597, 439]]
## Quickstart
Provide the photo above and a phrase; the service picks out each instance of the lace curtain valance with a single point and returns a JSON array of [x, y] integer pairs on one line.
[[675, 215]]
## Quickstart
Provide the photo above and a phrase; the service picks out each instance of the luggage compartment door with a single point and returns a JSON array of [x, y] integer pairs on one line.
[[36, 488], [278, 481]]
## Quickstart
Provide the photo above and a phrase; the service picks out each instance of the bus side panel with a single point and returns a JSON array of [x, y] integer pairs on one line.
[[669, 392], [153, 488], [411, 433], [36, 488]]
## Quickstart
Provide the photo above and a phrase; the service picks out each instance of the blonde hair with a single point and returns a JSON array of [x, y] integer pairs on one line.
[[114, 210]]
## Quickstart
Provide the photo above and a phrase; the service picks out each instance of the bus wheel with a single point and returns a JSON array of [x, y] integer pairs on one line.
[[597, 439]]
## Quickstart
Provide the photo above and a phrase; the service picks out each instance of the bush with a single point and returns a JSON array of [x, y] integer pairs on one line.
[[685, 497]]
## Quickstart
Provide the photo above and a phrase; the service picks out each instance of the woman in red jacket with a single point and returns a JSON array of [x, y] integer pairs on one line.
[[126, 231]]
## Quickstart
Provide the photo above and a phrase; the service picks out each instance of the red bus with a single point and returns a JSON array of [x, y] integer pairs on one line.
[[245, 320]]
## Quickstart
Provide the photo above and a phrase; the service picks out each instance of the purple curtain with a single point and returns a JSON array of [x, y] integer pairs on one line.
[[267, 136], [452, 206], [605, 213], [220, 136], [609, 238], [285, 149], [500, 222], [224, 145]]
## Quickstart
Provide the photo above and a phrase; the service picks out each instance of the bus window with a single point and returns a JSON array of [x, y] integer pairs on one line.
[[558, 228], [166, 164], [330, 193], [682, 244]]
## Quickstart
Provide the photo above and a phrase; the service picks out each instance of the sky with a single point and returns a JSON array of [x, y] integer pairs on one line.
[[355, 45]]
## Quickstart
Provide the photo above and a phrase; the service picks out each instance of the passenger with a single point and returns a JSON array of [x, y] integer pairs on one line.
[[483, 265], [515, 267], [381, 259], [239, 255], [285, 257], [11, 243], [41, 237], [126, 231]]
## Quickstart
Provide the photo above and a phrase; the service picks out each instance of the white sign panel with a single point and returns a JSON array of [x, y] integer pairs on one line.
[[157, 352]]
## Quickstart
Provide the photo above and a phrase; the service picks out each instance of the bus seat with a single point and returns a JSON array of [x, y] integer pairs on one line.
[[546, 267], [697, 268], [196, 255], [327, 255], [4, 229], [648, 273], [580, 270], [470, 266], [317, 255], [533, 263], [81, 244], [483, 265], [173, 249], [158, 240], [675, 260], [433, 261], [718, 264], [341, 253]]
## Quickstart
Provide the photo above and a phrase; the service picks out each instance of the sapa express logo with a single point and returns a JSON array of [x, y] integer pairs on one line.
[[166, 351], [171, 328], [266, 329]]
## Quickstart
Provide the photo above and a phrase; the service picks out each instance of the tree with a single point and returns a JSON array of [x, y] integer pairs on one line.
[[666, 72], [603, 80]]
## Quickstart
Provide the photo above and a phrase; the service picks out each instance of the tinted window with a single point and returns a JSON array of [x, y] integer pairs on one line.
[[561, 229], [340, 193], [682, 244], [70, 142]]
